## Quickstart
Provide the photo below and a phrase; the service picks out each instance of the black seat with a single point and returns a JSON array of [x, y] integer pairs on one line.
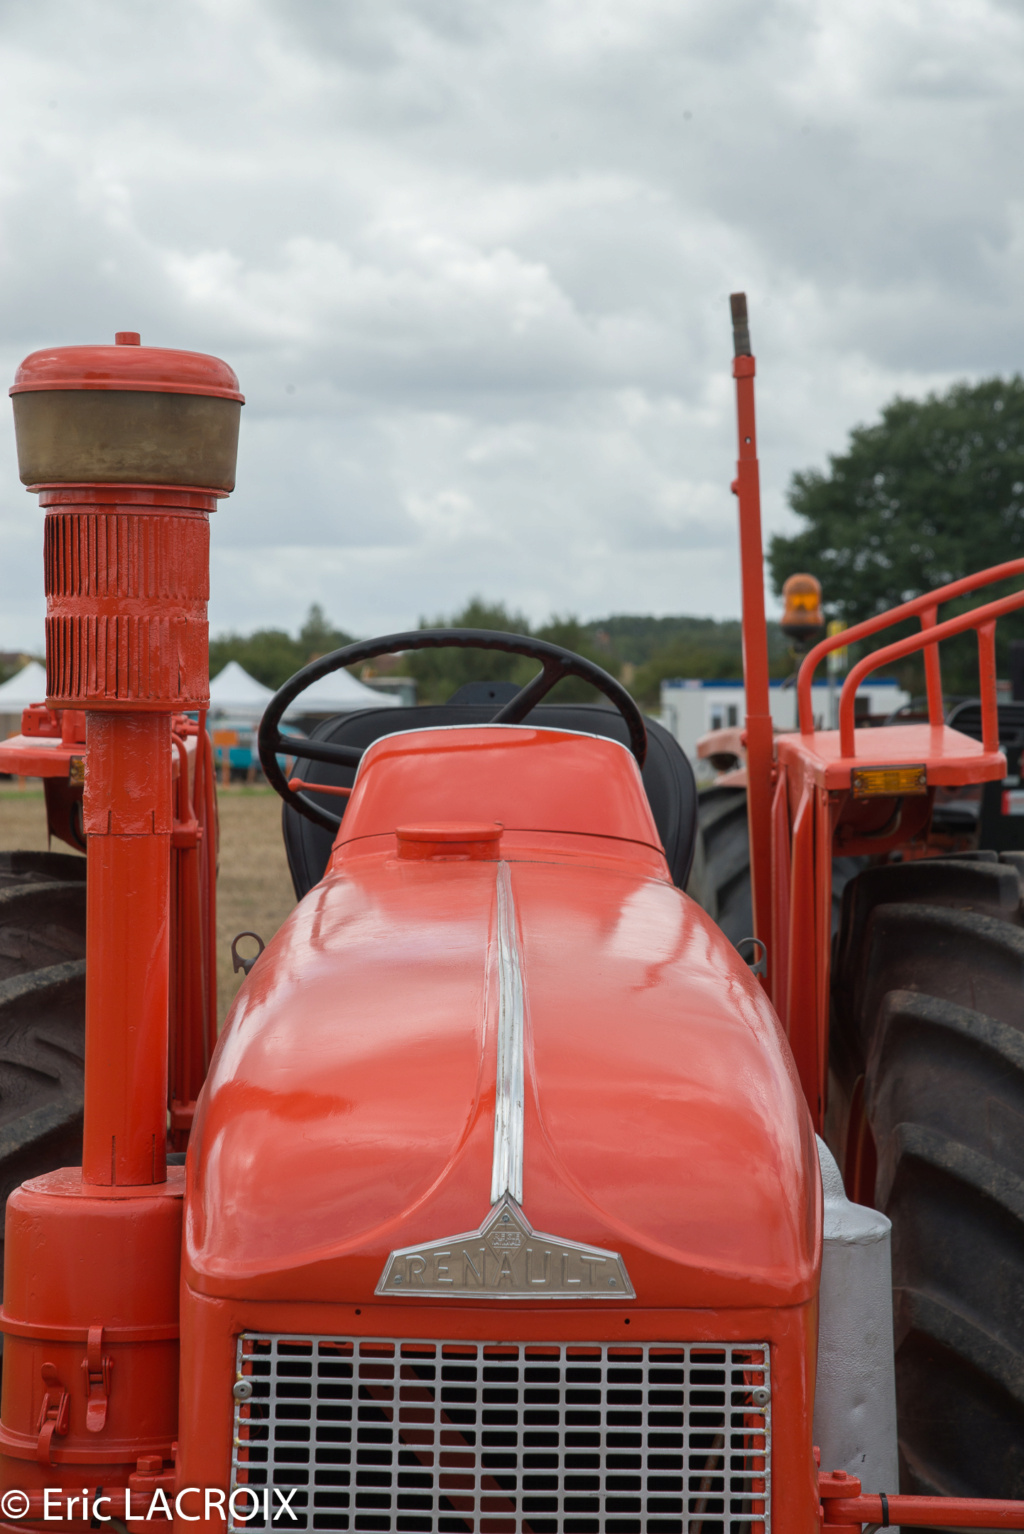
[[966, 717], [667, 775], [998, 829]]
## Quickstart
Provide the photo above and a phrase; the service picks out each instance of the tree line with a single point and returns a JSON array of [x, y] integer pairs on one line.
[[640, 651]]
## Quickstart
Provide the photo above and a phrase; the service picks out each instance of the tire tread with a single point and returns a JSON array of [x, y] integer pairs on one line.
[[929, 1006]]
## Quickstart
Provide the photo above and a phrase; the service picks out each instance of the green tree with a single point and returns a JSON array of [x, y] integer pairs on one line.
[[319, 637], [573, 635], [272, 655], [716, 657], [639, 650], [442, 672], [13, 661], [931, 492], [636, 638]]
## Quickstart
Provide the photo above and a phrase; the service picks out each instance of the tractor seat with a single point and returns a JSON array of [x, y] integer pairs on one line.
[[667, 775], [966, 717]]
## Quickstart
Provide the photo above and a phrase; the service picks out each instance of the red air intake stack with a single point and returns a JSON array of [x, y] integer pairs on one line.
[[129, 448]]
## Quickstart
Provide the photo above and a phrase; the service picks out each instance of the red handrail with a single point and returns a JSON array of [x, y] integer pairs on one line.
[[925, 607], [980, 618], [911, 1512], [844, 1503]]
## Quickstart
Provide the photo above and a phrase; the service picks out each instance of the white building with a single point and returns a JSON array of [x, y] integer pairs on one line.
[[690, 708]]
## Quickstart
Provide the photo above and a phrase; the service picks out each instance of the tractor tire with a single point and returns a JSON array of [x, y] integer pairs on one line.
[[42, 1014], [720, 876], [928, 1056]]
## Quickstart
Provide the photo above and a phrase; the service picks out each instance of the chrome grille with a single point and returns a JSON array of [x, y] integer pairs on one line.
[[498, 1438]]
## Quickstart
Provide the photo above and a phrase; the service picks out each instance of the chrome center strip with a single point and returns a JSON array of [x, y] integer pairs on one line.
[[507, 1171]]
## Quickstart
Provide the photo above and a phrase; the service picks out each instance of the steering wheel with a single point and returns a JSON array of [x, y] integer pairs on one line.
[[556, 663]]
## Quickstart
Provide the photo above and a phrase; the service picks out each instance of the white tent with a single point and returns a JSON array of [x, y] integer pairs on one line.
[[339, 693], [28, 686], [234, 691]]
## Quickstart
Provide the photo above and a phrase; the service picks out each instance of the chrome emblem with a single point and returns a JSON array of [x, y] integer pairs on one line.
[[506, 1259]]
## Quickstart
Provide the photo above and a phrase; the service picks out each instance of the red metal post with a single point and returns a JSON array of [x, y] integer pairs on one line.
[[206, 809], [127, 815], [760, 746], [987, 686], [933, 670], [189, 1023], [801, 987]]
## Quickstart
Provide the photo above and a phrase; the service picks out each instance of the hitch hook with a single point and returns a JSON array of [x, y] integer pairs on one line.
[[757, 966], [237, 961]]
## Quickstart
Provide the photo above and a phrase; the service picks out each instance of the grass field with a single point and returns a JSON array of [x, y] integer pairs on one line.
[[254, 888]]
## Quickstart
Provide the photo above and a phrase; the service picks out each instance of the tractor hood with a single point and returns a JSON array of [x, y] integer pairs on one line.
[[538, 1028]]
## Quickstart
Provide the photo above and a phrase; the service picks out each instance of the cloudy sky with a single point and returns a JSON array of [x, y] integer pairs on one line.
[[471, 263]]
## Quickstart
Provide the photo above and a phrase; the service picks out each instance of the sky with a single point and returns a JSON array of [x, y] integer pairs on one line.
[[471, 263]]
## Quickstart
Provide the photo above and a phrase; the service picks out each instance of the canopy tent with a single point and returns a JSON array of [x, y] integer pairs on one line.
[[234, 691], [339, 693], [28, 686]]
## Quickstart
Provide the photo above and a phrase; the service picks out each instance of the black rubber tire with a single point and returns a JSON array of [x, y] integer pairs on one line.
[[928, 1005], [42, 1014], [720, 875]]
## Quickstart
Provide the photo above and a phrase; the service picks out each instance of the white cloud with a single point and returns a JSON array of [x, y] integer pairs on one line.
[[471, 265]]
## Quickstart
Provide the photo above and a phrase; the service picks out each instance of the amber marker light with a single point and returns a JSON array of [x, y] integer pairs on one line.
[[876, 782]]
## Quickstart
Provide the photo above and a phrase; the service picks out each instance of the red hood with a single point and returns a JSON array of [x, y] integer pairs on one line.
[[350, 1109]]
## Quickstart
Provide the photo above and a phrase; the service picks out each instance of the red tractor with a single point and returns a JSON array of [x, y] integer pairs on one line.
[[503, 1207]]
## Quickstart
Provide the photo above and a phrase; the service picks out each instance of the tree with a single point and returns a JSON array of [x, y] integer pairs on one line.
[[442, 672], [572, 635], [694, 647], [639, 650], [271, 655], [932, 492], [319, 637]]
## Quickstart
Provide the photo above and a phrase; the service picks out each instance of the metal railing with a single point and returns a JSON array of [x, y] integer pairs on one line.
[[925, 607]]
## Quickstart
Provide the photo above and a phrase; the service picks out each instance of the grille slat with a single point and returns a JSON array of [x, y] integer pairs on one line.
[[459, 1437]]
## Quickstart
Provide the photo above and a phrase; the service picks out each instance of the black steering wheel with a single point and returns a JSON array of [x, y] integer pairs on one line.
[[556, 663]]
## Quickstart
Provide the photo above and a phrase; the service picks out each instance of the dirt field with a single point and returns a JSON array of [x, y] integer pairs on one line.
[[254, 890], [254, 887]]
